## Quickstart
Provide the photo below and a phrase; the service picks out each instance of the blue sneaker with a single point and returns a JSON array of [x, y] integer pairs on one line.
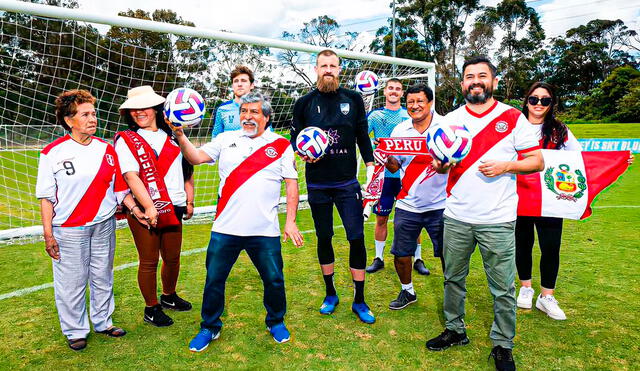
[[202, 340], [363, 312], [280, 333], [329, 304]]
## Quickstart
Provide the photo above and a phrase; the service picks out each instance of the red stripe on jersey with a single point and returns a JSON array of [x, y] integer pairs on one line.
[[417, 166], [56, 142], [87, 209], [257, 161], [486, 139], [166, 157]]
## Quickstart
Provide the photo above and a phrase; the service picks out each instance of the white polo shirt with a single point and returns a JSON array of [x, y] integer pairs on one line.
[[82, 181], [422, 188], [252, 210], [174, 180], [498, 134]]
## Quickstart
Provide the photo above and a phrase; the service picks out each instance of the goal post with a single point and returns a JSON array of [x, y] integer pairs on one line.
[[45, 50]]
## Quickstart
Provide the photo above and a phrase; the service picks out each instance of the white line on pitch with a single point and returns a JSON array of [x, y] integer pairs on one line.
[[29, 290]]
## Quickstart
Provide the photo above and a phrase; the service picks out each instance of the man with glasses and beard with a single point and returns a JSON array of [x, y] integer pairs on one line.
[[332, 178], [481, 207]]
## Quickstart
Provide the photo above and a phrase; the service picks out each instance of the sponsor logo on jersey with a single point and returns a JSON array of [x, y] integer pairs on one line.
[[344, 108], [109, 159], [159, 205], [501, 126], [271, 152], [154, 193]]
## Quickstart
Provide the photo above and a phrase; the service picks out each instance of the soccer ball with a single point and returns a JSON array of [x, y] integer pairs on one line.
[[184, 107], [449, 143], [312, 141], [367, 82]]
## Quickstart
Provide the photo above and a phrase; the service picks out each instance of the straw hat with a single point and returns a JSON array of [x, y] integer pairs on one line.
[[141, 97]]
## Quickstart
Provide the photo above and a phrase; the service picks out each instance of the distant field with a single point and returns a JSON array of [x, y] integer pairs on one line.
[[587, 131]]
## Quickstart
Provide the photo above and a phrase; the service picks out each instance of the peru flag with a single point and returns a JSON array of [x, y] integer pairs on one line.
[[569, 183]]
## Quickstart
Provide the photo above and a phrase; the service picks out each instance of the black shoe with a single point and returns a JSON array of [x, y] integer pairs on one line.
[[174, 302], [418, 265], [155, 316], [503, 358], [404, 298], [375, 266], [447, 339]]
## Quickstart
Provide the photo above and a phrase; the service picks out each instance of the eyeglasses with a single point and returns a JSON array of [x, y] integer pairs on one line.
[[546, 101]]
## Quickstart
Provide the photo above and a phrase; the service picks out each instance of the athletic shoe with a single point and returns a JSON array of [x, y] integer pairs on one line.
[[375, 266], [419, 266], [329, 304], [174, 302], [404, 298], [280, 333], [155, 316], [503, 359], [363, 312], [525, 297], [202, 340], [549, 305], [446, 339]]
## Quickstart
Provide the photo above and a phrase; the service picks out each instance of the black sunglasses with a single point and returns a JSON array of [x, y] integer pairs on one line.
[[546, 101]]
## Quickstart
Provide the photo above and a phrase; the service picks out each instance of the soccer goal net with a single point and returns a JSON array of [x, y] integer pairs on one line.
[[46, 50]]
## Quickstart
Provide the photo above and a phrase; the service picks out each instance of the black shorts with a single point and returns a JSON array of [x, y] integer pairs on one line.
[[348, 201], [390, 189], [407, 227]]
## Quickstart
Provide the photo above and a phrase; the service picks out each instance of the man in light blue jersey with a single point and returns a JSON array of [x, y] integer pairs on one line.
[[382, 121], [227, 115]]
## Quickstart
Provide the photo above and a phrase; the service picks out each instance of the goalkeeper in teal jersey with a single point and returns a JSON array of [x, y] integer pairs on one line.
[[382, 121], [227, 115]]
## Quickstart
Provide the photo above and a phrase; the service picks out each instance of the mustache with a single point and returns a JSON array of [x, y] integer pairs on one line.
[[249, 122]]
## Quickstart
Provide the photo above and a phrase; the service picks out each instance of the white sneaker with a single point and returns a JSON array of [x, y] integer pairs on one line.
[[549, 305], [525, 297]]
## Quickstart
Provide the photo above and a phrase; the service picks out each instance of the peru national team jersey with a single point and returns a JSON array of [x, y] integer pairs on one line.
[[252, 209], [499, 133], [422, 188], [570, 142], [83, 182], [382, 121]]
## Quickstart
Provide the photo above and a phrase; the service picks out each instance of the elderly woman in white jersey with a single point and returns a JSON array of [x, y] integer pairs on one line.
[[79, 186], [553, 134], [162, 185]]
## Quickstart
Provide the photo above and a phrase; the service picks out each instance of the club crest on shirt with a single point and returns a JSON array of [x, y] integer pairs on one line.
[[271, 152], [344, 108], [110, 159], [501, 126]]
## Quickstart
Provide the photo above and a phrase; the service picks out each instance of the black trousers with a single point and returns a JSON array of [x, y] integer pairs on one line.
[[549, 238]]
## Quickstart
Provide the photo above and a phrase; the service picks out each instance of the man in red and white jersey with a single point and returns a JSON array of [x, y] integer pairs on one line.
[[481, 207], [252, 164], [420, 202]]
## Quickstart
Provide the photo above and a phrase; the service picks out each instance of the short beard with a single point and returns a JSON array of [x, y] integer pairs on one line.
[[251, 133], [330, 86], [478, 98]]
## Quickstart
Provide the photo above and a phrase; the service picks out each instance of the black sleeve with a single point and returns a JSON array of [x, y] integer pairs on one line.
[[298, 122], [362, 130]]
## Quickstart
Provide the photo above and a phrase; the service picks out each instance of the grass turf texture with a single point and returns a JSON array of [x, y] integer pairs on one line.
[[597, 287]]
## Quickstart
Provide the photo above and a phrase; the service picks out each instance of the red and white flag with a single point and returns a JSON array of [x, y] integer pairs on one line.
[[569, 183]]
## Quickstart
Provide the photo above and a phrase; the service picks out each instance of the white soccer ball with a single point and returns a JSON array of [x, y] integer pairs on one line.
[[184, 107], [312, 141], [449, 143], [367, 82]]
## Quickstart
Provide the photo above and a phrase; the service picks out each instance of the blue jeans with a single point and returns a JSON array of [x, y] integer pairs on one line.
[[222, 253]]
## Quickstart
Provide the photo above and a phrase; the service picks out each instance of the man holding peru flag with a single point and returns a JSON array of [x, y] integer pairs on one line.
[[481, 208], [252, 162]]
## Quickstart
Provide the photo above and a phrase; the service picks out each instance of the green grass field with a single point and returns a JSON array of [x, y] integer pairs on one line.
[[597, 287]]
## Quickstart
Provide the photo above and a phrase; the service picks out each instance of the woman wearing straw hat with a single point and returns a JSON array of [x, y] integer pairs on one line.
[[162, 184], [79, 186]]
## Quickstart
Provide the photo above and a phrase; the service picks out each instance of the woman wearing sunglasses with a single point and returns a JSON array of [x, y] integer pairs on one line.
[[553, 134]]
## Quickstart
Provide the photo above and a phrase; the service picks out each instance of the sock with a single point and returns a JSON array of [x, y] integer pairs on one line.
[[328, 283], [409, 287], [418, 254], [358, 296], [379, 249]]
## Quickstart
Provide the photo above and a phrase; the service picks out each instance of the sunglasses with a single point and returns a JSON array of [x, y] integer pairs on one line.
[[546, 101]]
